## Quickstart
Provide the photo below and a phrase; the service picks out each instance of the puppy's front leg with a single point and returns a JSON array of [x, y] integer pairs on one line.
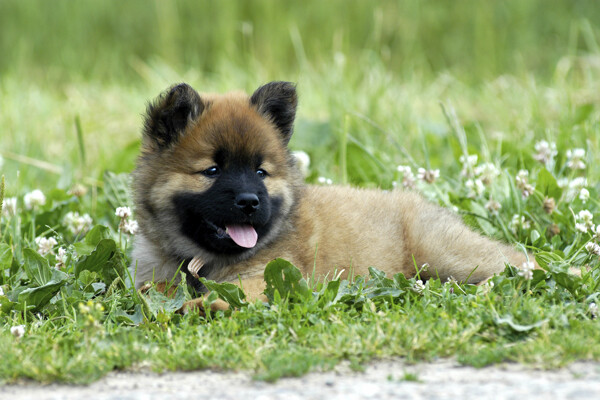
[[252, 287]]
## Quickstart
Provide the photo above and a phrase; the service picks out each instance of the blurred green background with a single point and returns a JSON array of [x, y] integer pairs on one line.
[[472, 39], [370, 74]]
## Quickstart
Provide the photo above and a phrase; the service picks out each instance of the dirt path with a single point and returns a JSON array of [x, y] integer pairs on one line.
[[383, 380]]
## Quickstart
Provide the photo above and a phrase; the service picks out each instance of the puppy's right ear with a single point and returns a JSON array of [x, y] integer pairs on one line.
[[168, 116]]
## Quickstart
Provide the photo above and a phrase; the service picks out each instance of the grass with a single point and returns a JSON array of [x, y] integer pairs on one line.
[[375, 93]]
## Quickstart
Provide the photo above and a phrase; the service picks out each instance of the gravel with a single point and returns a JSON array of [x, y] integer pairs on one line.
[[444, 379]]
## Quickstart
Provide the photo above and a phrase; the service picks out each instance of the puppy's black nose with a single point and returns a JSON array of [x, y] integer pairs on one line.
[[247, 202]]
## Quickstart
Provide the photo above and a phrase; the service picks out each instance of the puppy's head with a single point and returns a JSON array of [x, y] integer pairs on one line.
[[215, 177]]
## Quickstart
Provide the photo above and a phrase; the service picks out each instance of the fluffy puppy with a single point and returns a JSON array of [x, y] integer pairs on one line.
[[216, 184]]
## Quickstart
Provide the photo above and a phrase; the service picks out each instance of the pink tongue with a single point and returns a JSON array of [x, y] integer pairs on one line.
[[242, 235]]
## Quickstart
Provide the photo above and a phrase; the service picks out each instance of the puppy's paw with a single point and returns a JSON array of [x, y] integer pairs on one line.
[[197, 304]]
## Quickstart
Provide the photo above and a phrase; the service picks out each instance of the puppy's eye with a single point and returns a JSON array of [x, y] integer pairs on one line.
[[211, 172], [261, 173]]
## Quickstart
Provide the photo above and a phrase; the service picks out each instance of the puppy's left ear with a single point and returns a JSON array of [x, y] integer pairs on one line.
[[277, 101]]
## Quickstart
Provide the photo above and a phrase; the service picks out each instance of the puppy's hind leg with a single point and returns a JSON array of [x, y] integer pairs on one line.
[[438, 237]]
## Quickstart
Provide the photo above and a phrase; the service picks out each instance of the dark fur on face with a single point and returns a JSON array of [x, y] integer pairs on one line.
[[238, 196]]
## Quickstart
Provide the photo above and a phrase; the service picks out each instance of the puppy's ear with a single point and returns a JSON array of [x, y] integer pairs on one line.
[[168, 116], [277, 101]]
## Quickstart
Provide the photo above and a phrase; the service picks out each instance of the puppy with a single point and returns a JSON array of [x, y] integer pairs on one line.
[[216, 185]]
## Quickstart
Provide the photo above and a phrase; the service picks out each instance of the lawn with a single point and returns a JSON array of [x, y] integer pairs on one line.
[[502, 99]]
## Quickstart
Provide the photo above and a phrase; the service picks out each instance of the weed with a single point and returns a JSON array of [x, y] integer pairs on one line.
[[513, 149]]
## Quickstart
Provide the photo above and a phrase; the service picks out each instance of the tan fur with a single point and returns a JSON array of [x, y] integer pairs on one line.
[[324, 229], [395, 232]]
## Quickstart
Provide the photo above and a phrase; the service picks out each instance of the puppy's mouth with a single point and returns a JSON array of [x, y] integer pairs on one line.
[[244, 235]]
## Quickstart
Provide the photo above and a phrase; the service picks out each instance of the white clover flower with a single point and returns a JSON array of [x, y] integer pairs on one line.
[[302, 160], [9, 207], [545, 152], [84, 309], [419, 286], [468, 164], [408, 178], [593, 310], [76, 223], [487, 287], [578, 183], [428, 176], [487, 172], [584, 195], [526, 270], [574, 187], [324, 181], [131, 227], [476, 187], [522, 176], [34, 199], [18, 331], [126, 225], [581, 227], [123, 212], [62, 254], [527, 191], [451, 280], [78, 190], [518, 221], [584, 221], [45, 245], [85, 222], [61, 257], [493, 206], [523, 185], [593, 248], [339, 58], [575, 159], [562, 182], [596, 232]]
